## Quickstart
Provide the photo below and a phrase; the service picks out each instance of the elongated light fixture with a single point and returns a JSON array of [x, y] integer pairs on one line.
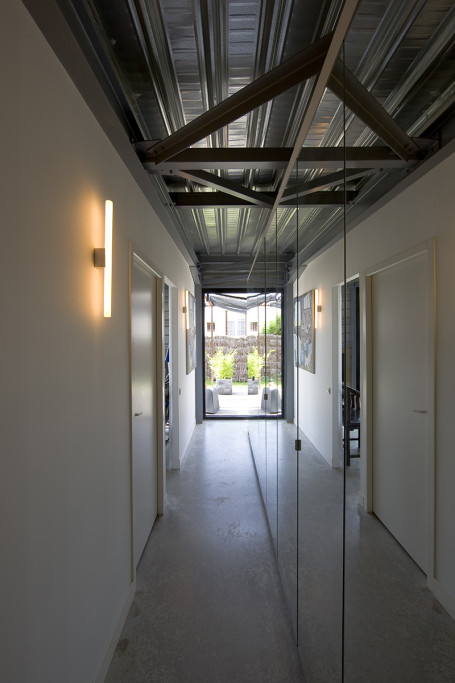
[[317, 308], [103, 257], [108, 215], [187, 310]]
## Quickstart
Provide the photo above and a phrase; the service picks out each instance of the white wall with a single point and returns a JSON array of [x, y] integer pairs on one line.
[[65, 422], [315, 390], [424, 209]]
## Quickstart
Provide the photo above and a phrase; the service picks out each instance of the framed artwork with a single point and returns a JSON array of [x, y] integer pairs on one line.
[[305, 330], [295, 331], [190, 332]]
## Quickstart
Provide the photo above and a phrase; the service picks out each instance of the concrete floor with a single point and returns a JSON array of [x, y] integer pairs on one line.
[[394, 630], [209, 606]]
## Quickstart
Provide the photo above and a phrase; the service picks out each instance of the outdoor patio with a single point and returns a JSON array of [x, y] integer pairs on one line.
[[239, 403]]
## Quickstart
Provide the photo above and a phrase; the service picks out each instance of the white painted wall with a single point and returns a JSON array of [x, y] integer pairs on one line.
[[424, 209], [65, 423], [315, 390]]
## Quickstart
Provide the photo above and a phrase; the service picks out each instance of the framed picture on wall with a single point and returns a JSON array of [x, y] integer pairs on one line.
[[306, 331], [295, 330], [190, 332]]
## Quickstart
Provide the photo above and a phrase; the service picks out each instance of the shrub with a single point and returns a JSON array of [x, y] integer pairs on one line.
[[255, 364], [222, 364], [273, 327]]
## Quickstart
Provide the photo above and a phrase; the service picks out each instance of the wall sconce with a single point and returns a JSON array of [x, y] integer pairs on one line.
[[102, 257], [186, 309], [317, 308]]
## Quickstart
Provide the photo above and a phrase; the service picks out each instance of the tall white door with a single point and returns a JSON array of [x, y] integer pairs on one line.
[[144, 431], [400, 402]]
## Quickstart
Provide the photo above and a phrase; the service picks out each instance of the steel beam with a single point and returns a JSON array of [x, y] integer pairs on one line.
[[344, 21], [227, 186], [319, 199], [205, 200], [323, 182], [236, 259], [209, 280], [221, 158], [361, 102], [276, 158], [303, 65]]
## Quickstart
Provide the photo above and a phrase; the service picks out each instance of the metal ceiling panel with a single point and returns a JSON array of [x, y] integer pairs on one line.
[[169, 66]]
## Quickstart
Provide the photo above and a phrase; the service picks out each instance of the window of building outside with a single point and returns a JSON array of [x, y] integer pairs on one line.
[[210, 326], [254, 327]]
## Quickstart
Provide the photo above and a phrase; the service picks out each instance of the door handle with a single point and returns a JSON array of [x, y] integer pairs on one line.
[[422, 412], [137, 414]]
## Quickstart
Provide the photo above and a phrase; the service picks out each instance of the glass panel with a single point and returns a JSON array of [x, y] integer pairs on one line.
[[287, 455], [256, 426], [358, 602], [389, 610], [299, 459], [271, 394], [319, 475], [264, 426]]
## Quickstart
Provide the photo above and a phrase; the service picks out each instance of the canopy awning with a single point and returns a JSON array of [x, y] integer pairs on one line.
[[242, 303]]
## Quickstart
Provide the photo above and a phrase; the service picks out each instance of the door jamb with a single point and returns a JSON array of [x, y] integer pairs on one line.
[[135, 254], [173, 374], [337, 345]]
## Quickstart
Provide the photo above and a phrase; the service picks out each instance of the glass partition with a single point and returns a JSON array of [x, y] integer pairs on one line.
[[320, 482], [288, 461], [266, 309], [359, 603], [298, 453]]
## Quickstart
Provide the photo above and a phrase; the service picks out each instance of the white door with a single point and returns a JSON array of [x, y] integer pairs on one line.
[[400, 402], [144, 430]]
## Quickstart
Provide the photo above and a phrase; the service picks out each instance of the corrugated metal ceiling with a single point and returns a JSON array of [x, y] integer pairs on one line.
[[167, 62]]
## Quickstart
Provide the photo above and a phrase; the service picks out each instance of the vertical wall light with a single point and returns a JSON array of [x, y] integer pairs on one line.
[[108, 215], [187, 309], [103, 257], [317, 308]]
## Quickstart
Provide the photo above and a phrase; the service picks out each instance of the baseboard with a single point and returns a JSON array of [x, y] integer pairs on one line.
[[186, 447], [322, 452], [446, 599], [106, 658]]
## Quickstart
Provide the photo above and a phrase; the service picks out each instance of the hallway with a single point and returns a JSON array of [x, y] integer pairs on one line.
[[209, 605]]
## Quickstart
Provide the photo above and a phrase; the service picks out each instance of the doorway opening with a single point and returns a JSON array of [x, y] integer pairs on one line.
[[146, 465], [350, 354], [401, 378], [242, 354], [350, 369], [167, 377]]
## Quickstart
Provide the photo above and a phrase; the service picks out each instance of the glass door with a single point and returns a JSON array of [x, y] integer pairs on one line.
[[242, 353]]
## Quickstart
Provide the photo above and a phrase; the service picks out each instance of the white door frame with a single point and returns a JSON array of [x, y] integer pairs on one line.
[[136, 255], [427, 248], [337, 344], [173, 444]]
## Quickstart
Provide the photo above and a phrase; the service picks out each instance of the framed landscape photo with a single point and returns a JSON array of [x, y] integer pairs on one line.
[[190, 332]]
